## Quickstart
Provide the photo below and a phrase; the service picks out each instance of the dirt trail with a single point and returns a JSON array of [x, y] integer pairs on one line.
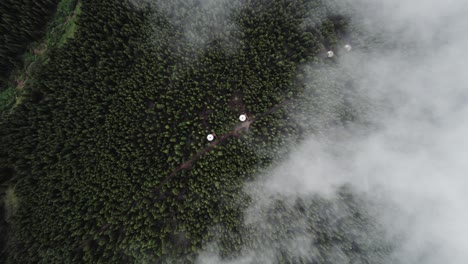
[[235, 132], [188, 164]]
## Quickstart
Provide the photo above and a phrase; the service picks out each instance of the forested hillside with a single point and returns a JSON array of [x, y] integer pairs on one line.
[[106, 160]]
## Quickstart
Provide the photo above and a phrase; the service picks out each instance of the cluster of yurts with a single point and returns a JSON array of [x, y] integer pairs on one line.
[[243, 117], [331, 53]]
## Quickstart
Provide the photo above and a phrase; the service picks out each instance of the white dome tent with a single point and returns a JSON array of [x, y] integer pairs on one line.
[[348, 47], [243, 117], [330, 54], [210, 137]]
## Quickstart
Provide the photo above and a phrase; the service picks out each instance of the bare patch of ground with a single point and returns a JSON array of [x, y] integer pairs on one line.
[[236, 103], [40, 50], [20, 84]]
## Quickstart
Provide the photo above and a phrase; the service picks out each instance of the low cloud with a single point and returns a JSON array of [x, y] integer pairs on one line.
[[405, 159], [200, 22]]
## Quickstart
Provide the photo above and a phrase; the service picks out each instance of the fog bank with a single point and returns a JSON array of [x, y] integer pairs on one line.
[[409, 63]]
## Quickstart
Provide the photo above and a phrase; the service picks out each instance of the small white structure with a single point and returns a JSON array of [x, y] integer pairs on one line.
[[210, 137], [348, 47], [243, 117], [330, 54]]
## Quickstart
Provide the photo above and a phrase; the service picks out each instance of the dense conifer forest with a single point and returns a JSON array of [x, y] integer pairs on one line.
[[103, 153]]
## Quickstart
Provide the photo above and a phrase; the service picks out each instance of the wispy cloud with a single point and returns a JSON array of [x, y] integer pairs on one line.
[[200, 21]]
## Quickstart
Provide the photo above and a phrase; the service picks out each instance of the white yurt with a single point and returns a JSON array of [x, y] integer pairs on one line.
[[210, 137], [243, 117]]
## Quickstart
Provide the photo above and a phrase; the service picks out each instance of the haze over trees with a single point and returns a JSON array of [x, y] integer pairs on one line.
[[92, 158]]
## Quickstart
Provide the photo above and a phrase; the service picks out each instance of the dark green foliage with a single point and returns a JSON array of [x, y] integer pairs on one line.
[[100, 147]]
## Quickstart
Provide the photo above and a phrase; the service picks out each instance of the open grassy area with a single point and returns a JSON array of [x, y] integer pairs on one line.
[[7, 98], [11, 203], [61, 28]]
